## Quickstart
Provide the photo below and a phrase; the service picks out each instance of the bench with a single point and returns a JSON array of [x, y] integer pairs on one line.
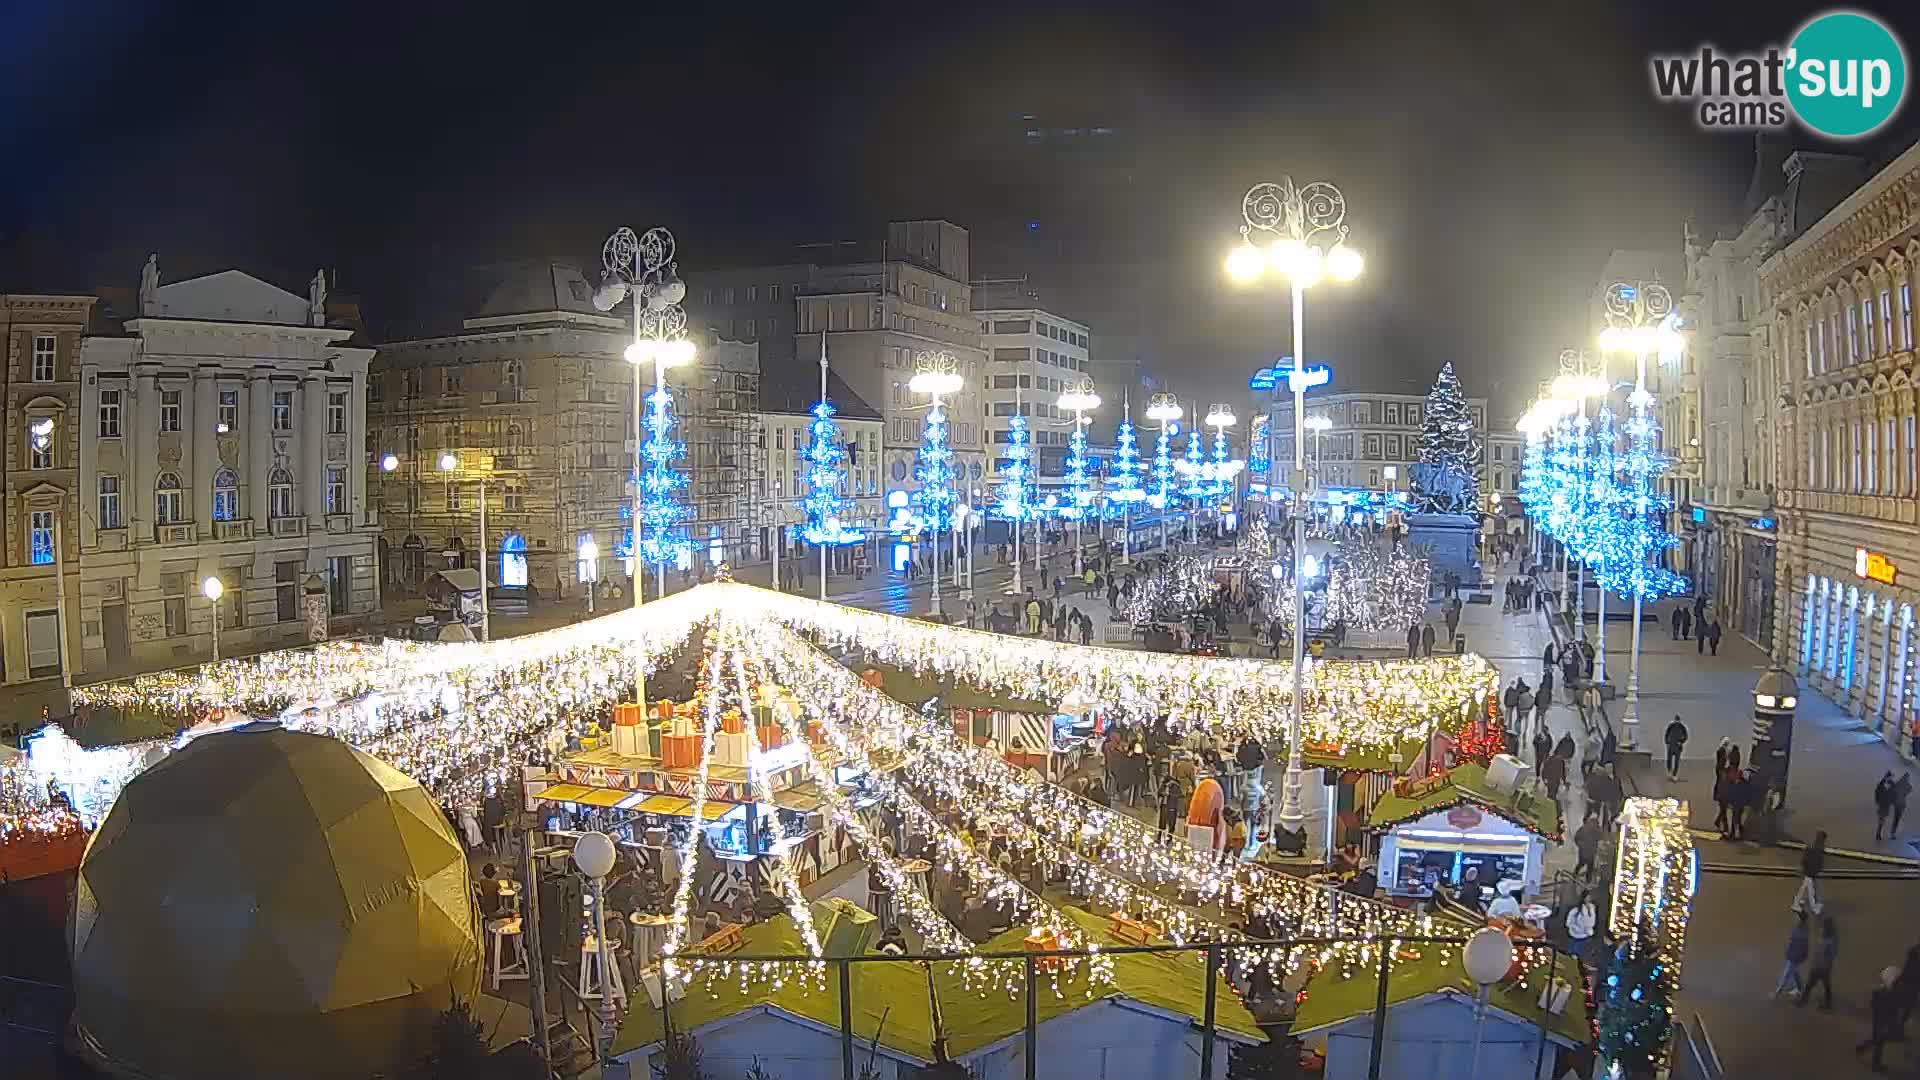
[[1134, 931], [724, 940]]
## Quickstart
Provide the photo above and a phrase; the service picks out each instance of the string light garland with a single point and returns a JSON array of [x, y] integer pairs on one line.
[[1372, 588]]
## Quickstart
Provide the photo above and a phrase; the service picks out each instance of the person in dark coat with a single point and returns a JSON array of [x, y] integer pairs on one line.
[[1882, 802], [1713, 637], [1554, 773], [1740, 795], [1723, 780], [1676, 739], [1545, 693], [1884, 1010], [1564, 747], [1542, 748], [1426, 638], [1820, 971]]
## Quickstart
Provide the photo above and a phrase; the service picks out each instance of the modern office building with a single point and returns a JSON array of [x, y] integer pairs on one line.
[[1033, 355]]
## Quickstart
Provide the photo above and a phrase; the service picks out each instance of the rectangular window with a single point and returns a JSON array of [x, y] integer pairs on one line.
[[1853, 336], [109, 504], [1872, 455], [40, 537], [1809, 348], [1906, 316], [510, 498], [1866, 328], [43, 353], [167, 506], [1906, 444], [1819, 361], [283, 410], [175, 609], [773, 292], [43, 643], [109, 414], [1013, 326], [1853, 458], [1889, 341], [453, 497], [339, 583], [286, 591], [336, 490], [40, 448], [169, 410], [337, 413], [229, 411]]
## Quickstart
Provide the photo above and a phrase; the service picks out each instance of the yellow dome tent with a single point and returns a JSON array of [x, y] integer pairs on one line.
[[270, 903]]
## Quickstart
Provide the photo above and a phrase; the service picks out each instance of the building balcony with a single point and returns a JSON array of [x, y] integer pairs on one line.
[[338, 524], [236, 529], [174, 533], [111, 539], [287, 526]]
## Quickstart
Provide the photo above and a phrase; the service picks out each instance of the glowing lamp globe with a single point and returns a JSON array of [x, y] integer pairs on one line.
[[1245, 263], [593, 853], [1079, 400], [266, 902], [1165, 408], [212, 589], [640, 352], [609, 294], [389, 463], [449, 462], [1488, 956], [1344, 263], [1221, 416], [677, 353]]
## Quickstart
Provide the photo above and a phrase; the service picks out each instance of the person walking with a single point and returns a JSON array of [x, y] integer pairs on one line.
[[1902, 788], [1884, 1010], [1545, 695], [1426, 639], [1540, 702], [1542, 749], [1740, 794], [1676, 742], [1033, 615], [1413, 641], [1806, 899], [1723, 781], [1564, 748], [1586, 843], [1453, 620], [1713, 637], [1720, 755], [1580, 925], [1679, 620], [1789, 981], [1882, 802], [1820, 971], [1554, 772], [1603, 794]]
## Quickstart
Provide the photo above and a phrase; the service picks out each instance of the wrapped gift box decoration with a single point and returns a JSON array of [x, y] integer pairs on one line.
[[680, 751], [730, 748], [732, 722], [771, 736], [662, 710]]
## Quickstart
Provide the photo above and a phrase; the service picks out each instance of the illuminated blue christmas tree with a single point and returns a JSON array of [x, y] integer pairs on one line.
[[1160, 492], [1533, 477], [1222, 468], [934, 470], [1563, 483], [1642, 571], [1603, 536], [1123, 476], [1016, 495], [1194, 468], [1079, 499], [662, 510], [824, 507]]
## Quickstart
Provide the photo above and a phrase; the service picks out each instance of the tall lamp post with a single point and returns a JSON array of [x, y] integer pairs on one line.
[[1080, 401], [589, 567], [1307, 227], [1319, 425], [213, 590], [1642, 322], [449, 464], [594, 855], [1573, 391], [1220, 417], [643, 267], [1164, 409], [935, 374]]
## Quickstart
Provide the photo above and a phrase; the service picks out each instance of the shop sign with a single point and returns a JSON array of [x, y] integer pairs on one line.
[[1874, 566], [1465, 818]]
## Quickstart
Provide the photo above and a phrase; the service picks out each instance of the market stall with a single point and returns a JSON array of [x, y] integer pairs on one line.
[[1432, 829], [1028, 732]]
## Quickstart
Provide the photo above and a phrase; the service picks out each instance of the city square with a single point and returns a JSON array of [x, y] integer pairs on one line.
[[1299, 587]]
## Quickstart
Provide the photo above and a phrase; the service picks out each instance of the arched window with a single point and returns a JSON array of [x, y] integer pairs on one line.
[[226, 495], [167, 506], [511, 379], [279, 494], [513, 561]]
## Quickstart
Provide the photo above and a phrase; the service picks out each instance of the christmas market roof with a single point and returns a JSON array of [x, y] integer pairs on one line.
[[908, 688], [897, 993], [1334, 997], [1373, 759], [1467, 785]]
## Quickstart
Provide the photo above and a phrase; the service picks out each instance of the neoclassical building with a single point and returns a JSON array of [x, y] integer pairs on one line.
[[1842, 308]]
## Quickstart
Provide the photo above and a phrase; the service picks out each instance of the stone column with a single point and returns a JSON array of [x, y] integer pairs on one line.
[[259, 460], [201, 463], [313, 450], [140, 421], [357, 465]]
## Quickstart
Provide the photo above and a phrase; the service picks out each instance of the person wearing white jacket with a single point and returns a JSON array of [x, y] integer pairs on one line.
[[1580, 925]]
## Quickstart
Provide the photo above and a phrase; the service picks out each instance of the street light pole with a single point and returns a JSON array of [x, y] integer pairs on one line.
[[936, 374], [1299, 218], [1079, 400], [212, 588]]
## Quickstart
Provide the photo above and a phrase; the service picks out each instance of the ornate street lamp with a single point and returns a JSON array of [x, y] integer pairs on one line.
[[1164, 409], [1080, 400], [936, 373], [1304, 232]]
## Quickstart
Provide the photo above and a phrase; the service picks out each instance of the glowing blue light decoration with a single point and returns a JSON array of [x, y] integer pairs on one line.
[[1161, 493], [934, 470], [662, 510], [1194, 468], [1123, 476], [1604, 536], [1016, 497], [1642, 572], [1259, 458], [826, 464], [1222, 468], [1079, 499], [1534, 482]]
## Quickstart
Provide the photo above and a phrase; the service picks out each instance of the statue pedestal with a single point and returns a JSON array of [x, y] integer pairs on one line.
[[1448, 542]]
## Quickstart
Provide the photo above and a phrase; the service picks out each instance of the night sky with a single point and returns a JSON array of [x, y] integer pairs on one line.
[[1491, 154]]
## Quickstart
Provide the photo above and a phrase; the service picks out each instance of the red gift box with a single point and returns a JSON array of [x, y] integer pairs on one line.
[[733, 723], [771, 736], [626, 714], [680, 751]]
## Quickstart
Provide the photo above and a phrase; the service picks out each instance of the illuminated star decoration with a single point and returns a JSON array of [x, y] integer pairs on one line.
[[826, 464], [662, 511]]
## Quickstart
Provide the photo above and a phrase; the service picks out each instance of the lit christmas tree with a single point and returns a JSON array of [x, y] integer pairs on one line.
[[1123, 475], [1222, 469], [1160, 492], [1641, 571], [1079, 499], [662, 510], [1533, 476], [1194, 468], [1563, 481], [1447, 478], [1016, 496], [1636, 1012], [826, 463], [934, 471], [1603, 536]]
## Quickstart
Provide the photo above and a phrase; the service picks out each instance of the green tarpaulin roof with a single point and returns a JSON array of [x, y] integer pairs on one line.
[[910, 689], [1173, 982], [1334, 997], [1469, 785]]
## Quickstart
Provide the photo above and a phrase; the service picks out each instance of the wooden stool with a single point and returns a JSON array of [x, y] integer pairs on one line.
[[592, 981], [502, 929]]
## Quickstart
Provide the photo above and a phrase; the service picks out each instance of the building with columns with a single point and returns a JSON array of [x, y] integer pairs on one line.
[[221, 432], [1840, 301]]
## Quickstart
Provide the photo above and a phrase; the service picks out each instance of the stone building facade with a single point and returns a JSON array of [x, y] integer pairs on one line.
[[1840, 299]]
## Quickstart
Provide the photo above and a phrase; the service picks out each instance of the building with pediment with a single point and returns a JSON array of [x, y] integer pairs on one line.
[[217, 429]]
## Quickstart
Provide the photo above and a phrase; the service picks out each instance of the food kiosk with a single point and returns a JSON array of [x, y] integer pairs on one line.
[[1433, 828]]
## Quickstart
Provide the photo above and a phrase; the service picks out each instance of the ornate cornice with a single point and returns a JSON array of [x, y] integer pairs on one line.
[[1885, 219]]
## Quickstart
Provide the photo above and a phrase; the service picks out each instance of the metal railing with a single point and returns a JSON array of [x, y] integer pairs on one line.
[[1216, 959]]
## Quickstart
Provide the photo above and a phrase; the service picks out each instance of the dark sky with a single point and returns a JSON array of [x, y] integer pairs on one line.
[[1491, 154]]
